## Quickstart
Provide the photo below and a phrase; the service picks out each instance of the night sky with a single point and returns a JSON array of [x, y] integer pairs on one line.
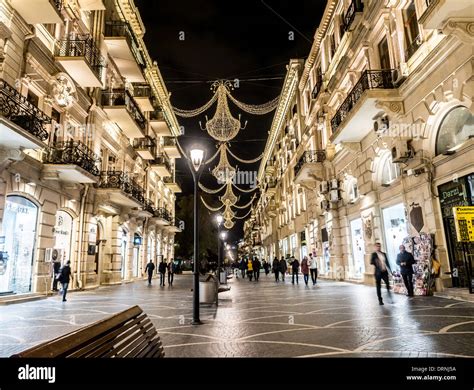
[[227, 40]]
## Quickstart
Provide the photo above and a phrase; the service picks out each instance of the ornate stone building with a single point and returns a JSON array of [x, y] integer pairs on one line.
[[87, 145], [373, 141]]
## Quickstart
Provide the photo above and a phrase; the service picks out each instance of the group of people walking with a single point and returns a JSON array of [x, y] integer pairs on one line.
[[251, 268], [163, 268], [308, 266]]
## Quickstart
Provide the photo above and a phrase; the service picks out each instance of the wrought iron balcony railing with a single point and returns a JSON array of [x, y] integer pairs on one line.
[[370, 79], [121, 181], [310, 156], [121, 97], [144, 143], [162, 213], [82, 46], [162, 160], [413, 47], [73, 152], [16, 108], [122, 29], [142, 90], [317, 86], [157, 115], [349, 16], [149, 206], [169, 141]]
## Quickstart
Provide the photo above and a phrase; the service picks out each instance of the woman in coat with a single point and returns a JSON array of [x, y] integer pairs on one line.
[[250, 269], [305, 269]]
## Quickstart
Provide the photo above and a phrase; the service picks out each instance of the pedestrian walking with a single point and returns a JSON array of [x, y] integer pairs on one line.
[[276, 269], [64, 278], [379, 259], [313, 268], [256, 268], [283, 266], [56, 273], [171, 270], [150, 267], [162, 271], [243, 267], [250, 269], [295, 268], [305, 269], [266, 267], [405, 261]]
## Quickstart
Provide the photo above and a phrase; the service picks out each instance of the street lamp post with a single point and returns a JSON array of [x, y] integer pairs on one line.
[[219, 220], [222, 237], [195, 163]]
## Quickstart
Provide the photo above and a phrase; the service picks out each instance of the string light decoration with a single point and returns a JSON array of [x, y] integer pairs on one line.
[[229, 197], [223, 172], [255, 109]]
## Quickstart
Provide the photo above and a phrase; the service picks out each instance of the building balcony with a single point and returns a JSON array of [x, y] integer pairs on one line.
[[71, 161], [92, 5], [39, 11], [145, 147], [438, 11], [171, 184], [161, 165], [120, 189], [171, 148], [124, 49], [310, 166], [122, 109], [353, 12], [175, 226], [143, 95], [22, 124], [161, 216], [81, 58], [359, 107], [271, 186], [159, 124]]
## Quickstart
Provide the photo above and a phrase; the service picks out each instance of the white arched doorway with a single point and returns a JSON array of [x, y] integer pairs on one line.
[[63, 232], [17, 245]]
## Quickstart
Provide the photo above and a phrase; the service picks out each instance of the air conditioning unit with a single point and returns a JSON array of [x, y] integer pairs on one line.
[[334, 196], [334, 184], [324, 187], [401, 152], [381, 124], [53, 254], [398, 77]]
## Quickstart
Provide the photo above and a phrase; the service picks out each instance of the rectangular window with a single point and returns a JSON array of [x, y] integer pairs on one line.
[[384, 54], [33, 98]]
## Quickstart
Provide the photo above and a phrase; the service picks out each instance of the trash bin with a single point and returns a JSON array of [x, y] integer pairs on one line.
[[207, 292], [223, 277]]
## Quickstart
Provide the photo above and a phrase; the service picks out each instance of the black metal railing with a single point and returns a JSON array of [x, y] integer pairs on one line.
[[349, 16], [142, 90], [121, 181], [157, 115], [16, 108], [162, 160], [169, 141], [413, 47], [370, 79], [317, 86], [149, 206], [58, 4], [73, 152], [310, 156], [123, 29], [82, 46], [161, 212], [121, 97], [146, 143]]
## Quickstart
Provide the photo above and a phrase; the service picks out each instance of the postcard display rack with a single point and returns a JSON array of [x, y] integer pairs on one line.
[[421, 247]]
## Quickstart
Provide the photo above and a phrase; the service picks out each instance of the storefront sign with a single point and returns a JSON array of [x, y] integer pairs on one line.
[[450, 195], [464, 221]]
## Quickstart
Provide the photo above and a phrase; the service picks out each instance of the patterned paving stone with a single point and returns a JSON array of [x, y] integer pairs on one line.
[[264, 319]]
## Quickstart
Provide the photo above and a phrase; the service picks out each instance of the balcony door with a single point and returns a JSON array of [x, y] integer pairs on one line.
[[384, 54]]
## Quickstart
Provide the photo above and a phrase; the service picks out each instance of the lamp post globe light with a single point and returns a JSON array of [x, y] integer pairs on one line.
[[195, 160]]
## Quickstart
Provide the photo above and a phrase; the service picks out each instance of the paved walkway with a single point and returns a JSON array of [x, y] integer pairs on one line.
[[263, 319]]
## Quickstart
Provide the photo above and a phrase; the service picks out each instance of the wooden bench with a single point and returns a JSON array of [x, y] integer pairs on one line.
[[128, 334]]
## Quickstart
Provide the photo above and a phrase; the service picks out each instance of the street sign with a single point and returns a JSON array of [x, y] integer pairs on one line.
[[464, 221]]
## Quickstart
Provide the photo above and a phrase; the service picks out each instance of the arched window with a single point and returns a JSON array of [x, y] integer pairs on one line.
[[351, 189], [390, 171], [456, 127]]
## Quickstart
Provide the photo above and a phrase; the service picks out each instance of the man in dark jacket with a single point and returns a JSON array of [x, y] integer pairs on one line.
[[295, 268], [171, 269], [162, 271], [150, 267], [64, 278], [379, 259], [56, 271], [405, 261], [276, 269], [283, 268], [256, 268]]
